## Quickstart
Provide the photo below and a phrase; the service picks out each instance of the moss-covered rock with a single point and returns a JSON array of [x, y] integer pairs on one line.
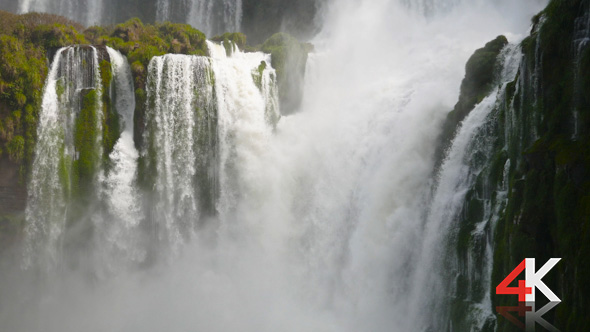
[[289, 59], [85, 142], [257, 74], [16, 149], [110, 116], [231, 39], [479, 76], [547, 212], [480, 72]]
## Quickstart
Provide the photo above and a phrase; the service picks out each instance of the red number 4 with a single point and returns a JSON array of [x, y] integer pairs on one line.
[[521, 290]]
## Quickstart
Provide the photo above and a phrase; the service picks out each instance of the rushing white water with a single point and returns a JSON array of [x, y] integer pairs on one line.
[[243, 128], [205, 117], [117, 227], [73, 72], [174, 119], [457, 176]]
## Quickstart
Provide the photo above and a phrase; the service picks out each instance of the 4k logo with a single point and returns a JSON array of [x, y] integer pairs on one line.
[[526, 291], [533, 280]]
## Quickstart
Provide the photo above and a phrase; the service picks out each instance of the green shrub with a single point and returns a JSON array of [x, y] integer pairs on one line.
[[16, 149]]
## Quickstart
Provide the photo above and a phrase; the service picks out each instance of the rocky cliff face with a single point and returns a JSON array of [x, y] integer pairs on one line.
[[530, 199]]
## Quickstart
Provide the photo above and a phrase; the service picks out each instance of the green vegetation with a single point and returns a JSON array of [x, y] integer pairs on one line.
[[257, 74], [229, 39], [110, 116], [85, 141], [25, 42], [140, 43], [547, 209], [16, 149]]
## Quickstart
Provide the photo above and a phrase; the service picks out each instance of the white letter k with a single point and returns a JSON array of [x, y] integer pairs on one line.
[[533, 279]]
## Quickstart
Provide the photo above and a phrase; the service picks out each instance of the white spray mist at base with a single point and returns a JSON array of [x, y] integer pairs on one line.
[[327, 225]]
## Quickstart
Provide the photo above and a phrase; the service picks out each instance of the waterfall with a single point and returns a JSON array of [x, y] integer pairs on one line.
[[458, 241], [117, 226], [215, 16], [205, 116], [66, 176], [88, 12], [246, 116], [72, 89], [210, 16], [180, 136], [329, 219]]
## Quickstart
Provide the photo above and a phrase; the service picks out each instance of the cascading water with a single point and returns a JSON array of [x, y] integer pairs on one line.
[[73, 86], [86, 11], [460, 247], [247, 114], [215, 16], [202, 115], [71, 123], [180, 137], [210, 16], [323, 220], [117, 226]]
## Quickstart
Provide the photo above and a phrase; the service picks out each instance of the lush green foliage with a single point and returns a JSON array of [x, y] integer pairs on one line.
[[25, 42]]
